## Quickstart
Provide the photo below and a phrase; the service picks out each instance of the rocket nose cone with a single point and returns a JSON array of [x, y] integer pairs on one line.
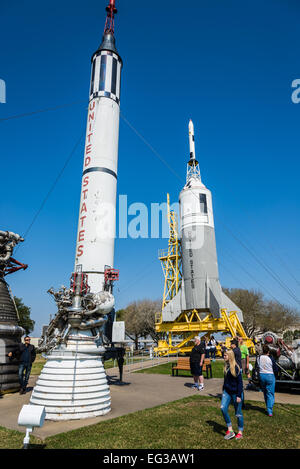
[[191, 126], [108, 43]]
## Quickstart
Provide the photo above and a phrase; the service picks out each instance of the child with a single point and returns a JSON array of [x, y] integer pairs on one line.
[[232, 391]]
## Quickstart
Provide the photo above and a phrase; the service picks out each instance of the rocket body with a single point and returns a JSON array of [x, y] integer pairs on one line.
[[200, 289], [199, 255], [73, 383], [97, 213]]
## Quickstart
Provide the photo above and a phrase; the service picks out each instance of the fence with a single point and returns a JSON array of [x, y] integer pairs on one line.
[[144, 359]]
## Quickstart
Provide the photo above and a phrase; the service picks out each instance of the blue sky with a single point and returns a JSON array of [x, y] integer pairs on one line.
[[227, 65]]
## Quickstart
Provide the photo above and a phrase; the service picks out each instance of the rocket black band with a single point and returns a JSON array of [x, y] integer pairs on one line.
[[103, 170], [106, 76], [105, 94]]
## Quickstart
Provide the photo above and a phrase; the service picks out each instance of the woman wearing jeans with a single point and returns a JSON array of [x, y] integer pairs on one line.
[[232, 391], [267, 372]]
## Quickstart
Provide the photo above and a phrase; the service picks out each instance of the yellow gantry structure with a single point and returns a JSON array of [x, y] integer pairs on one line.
[[171, 259], [189, 323]]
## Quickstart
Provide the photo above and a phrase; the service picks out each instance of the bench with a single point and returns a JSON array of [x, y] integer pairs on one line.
[[183, 363]]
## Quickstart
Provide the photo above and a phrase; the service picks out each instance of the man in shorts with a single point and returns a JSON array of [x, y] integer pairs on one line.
[[196, 362]]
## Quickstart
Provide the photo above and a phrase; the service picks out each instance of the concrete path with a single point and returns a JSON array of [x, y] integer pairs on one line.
[[140, 391]]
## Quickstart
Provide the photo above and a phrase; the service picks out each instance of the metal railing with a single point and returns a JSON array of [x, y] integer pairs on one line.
[[145, 360]]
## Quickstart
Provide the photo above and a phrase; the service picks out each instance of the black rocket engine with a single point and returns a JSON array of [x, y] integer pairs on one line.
[[10, 331]]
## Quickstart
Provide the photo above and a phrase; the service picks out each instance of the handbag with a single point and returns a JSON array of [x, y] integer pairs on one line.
[[255, 373]]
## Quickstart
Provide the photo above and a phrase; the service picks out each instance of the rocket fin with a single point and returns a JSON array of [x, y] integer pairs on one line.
[[175, 307], [228, 304]]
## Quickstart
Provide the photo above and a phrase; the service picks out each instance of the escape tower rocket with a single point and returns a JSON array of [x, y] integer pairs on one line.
[[200, 289]]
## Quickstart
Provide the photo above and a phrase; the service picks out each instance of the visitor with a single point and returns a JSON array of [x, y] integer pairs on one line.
[[26, 354], [196, 363], [244, 357], [232, 392], [207, 347], [234, 344], [267, 376], [223, 349], [213, 347]]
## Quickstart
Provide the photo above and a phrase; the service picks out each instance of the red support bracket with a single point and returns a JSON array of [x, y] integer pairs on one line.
[[111, 275], [13, 266]]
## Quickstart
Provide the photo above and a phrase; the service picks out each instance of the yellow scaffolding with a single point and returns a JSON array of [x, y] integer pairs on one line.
[[171, 259], [189, 323]]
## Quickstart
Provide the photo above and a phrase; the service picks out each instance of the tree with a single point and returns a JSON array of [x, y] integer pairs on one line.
[[261, 315], [139, 317], [279, 317], [288, 336], [296, 334], [251, 302], [24, 315], [120, 314]]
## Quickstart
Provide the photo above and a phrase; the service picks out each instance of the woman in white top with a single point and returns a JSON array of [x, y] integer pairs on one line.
[[267, 372]]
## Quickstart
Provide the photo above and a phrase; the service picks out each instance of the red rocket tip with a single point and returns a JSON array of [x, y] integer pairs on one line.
[[111, 6], [109, 23]]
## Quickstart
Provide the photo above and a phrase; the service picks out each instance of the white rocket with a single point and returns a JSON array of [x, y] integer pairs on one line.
[[73, 383], [201, 287], [97, 213]]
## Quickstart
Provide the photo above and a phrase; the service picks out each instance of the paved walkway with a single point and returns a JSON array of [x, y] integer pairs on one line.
[[139, 391]]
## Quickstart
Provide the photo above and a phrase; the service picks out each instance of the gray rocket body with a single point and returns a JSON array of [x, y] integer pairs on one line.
[[201, 288], [200, 270]]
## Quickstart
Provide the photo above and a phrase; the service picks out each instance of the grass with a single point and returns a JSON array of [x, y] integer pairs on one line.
[[40, 362], [166, 369], [191, 423], [195, 422], [12, 439]]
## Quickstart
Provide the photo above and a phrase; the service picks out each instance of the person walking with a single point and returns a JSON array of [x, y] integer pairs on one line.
[[26, 355], [232, 392], [234, 344], [223, 349], [196, 363], [213, 347], [244, 357], [267, 375]]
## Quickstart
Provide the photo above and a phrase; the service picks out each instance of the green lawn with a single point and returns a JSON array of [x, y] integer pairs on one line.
[[195, 422], [166, 369], [191, 423], [40, 362]]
